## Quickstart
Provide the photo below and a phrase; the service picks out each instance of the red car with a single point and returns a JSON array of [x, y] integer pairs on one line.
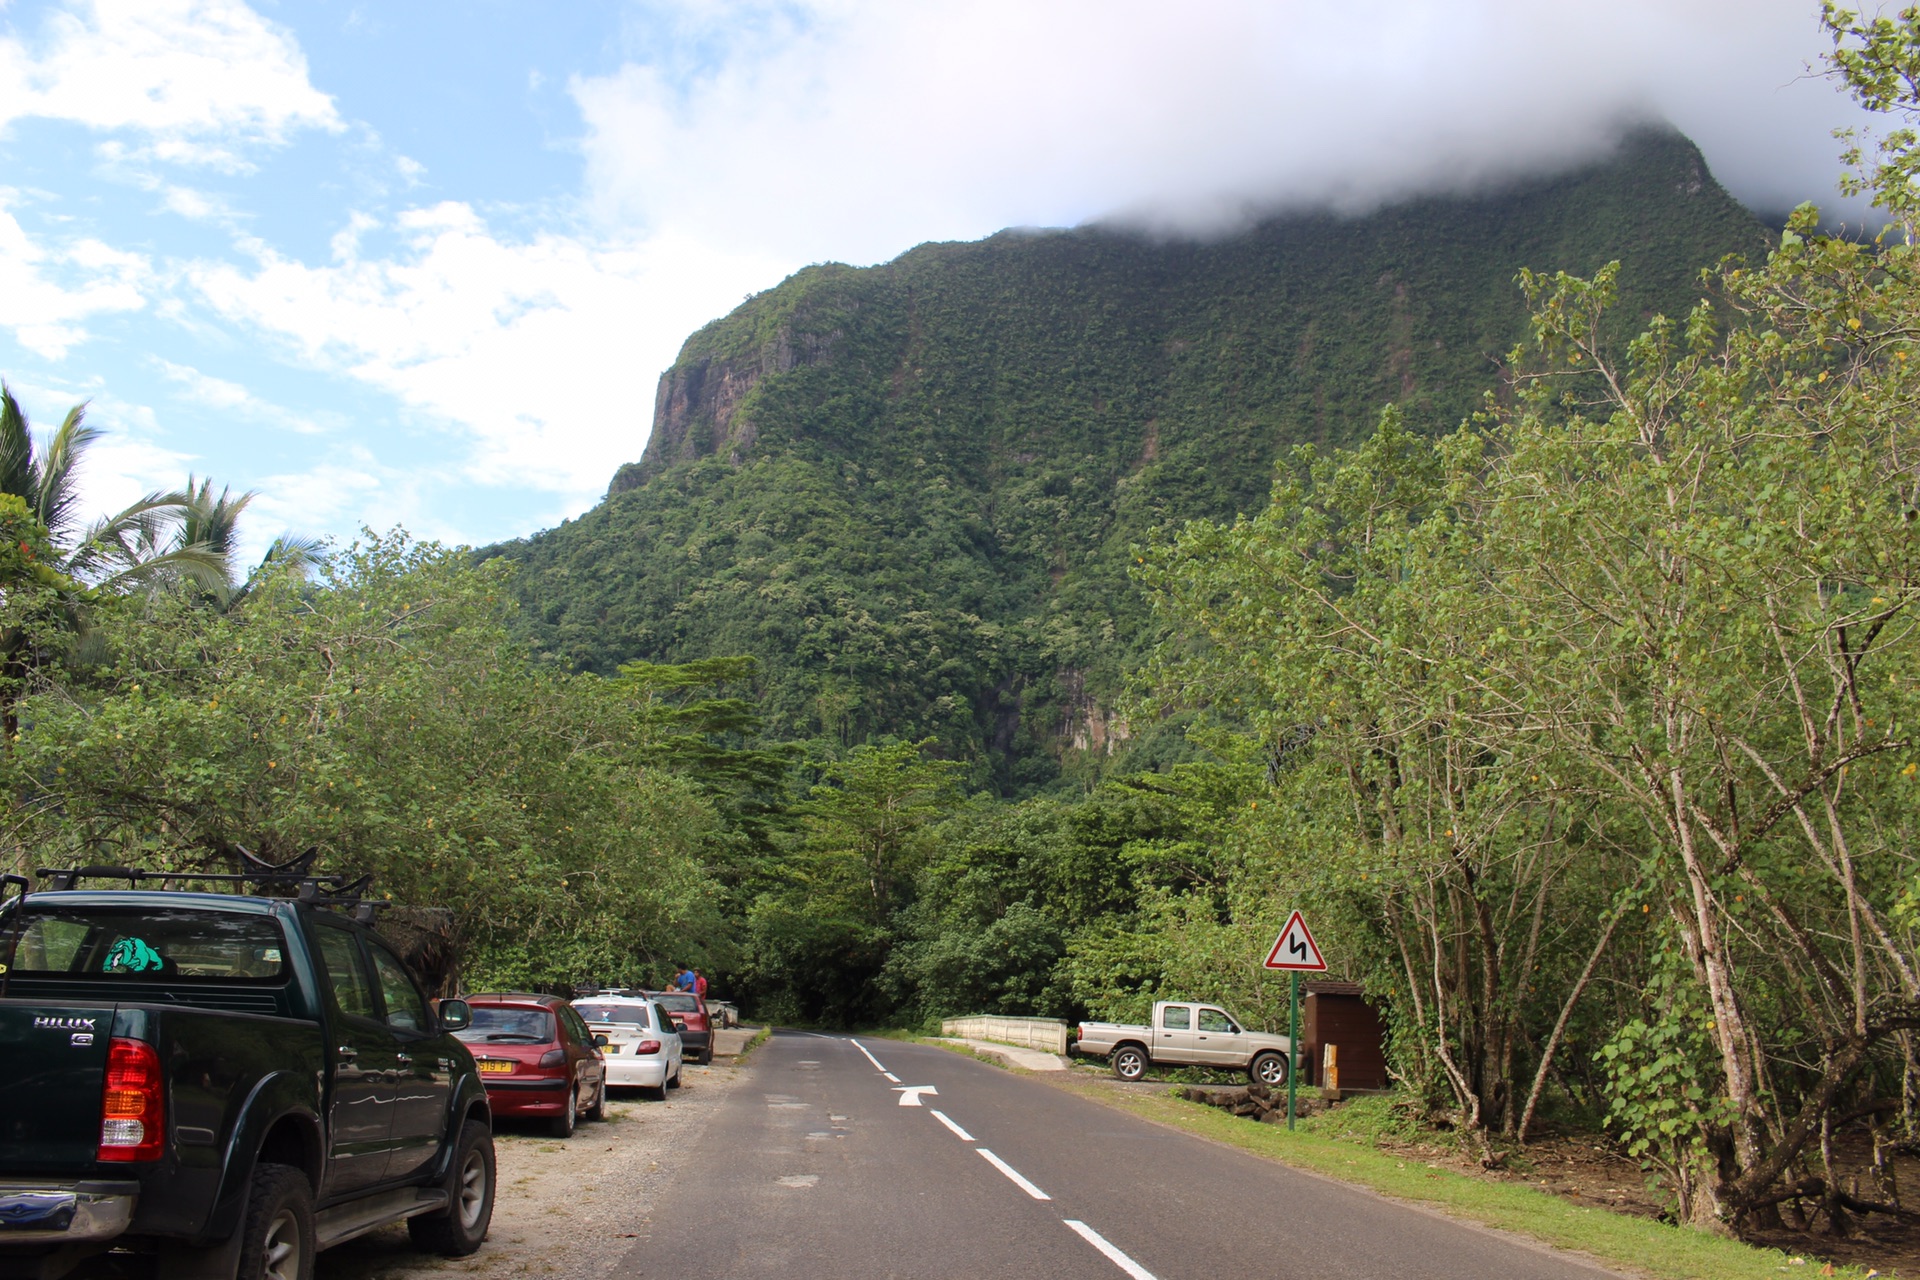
[[689, 1013], [537, 1059]]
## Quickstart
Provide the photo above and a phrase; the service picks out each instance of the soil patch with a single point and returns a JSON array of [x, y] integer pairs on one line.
[[570, 1209]]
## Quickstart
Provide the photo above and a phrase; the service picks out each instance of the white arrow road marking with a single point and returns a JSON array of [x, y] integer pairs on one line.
[[958, 1132], [1014, 1175], [910, 1093], [1117, 1258]]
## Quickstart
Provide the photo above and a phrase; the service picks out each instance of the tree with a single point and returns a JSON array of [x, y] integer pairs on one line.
[[384, 715], [118, 551]]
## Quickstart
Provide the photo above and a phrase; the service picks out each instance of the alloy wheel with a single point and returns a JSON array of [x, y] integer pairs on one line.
[[281, 1257]]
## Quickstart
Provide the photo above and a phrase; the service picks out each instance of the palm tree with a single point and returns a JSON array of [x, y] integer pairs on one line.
[[120, 552], [213, 523], [186, 538]]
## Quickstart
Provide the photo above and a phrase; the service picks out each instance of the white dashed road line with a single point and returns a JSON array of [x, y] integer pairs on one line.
[[1133, 1269], [958, 1132], [1117, 1258], [1013, 1175]]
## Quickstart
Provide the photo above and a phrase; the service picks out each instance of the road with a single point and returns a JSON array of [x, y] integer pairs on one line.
[[840, 1157]]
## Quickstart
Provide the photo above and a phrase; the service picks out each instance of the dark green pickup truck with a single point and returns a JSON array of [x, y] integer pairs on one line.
[[226, 1083]]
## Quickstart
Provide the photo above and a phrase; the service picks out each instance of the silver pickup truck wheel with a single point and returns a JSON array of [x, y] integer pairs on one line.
[[1130, 1062], [1269, 1069]]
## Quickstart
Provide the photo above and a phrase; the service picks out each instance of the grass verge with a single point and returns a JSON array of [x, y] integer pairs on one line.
[[760, 1037], [1617, 1240]]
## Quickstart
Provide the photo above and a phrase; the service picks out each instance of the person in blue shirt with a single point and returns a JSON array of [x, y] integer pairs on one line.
[[683, 980]]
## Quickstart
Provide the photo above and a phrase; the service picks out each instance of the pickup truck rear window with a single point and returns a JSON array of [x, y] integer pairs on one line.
[[679, 1004], [163, 944]]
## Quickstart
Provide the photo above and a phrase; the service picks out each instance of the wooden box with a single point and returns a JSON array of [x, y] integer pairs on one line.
[[1335, 1013]]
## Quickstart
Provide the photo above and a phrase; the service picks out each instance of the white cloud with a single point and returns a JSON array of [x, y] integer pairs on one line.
[[543, 352], [233, 399], [200, 77], [855, 128], [47, 291]]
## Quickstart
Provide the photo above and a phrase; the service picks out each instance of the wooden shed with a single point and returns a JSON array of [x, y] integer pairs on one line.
[[1336, 1014]]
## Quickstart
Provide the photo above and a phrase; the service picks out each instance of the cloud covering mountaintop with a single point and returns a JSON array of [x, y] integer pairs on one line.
[[853, 128]]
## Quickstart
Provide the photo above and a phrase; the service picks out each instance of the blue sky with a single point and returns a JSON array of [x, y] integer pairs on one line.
[[422, 263]]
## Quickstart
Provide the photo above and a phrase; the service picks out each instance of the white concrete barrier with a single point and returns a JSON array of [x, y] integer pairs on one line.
[[1049, 1035]]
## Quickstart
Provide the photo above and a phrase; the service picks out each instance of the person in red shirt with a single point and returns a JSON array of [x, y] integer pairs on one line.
[[700, 984]]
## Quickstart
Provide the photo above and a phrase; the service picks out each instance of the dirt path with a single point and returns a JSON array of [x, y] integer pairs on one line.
[[569, 1209]]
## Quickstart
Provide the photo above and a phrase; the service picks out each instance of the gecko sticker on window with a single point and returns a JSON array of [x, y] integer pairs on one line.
[[133, 955]]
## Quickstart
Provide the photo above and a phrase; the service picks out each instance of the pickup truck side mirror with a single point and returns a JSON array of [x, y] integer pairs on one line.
[[455, 1015]]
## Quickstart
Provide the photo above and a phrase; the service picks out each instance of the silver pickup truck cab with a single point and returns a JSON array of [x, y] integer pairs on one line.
[[1186, 1033]]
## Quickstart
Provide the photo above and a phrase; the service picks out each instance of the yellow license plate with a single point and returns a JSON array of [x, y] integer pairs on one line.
[[496, 1068]]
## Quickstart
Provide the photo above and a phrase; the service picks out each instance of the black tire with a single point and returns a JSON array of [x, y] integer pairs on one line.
[[1269, 1069], [673, 1082], [276, 1240], [562, 1125], [457, 1230], [598, 1111], [1130, 1062]]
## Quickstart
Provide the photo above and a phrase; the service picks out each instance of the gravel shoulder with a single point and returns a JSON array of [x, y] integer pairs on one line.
[[571, 1209]]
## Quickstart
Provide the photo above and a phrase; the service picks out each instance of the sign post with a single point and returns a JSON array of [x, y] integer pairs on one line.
[[1295, 951]]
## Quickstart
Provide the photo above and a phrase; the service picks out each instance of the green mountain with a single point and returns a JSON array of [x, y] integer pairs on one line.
[[910, 489]]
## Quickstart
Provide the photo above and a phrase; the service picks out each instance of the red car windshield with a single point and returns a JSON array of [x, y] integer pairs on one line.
[[508, 1024], [679, 1004]]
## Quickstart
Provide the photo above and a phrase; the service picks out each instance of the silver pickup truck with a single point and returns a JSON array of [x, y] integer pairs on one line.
[[1185, 1033]]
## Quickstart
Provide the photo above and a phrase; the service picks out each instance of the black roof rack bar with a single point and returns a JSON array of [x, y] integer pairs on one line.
[[323, 891]]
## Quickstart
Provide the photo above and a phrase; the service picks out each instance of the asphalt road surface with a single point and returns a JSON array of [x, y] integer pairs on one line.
[[840, 1157]]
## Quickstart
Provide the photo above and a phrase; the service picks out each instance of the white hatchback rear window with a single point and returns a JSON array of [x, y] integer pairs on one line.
[[631, 1014]]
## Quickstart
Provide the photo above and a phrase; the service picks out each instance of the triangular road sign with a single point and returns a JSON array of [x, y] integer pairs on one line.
[[1295, 948]]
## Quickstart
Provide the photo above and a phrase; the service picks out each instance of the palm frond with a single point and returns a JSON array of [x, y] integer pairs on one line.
[[295, 553], [195, 564], [213, 521], [17, 472], [57, 473], [116, 542]]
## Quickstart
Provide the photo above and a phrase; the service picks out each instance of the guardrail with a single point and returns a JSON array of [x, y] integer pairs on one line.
[[1049, 1035]]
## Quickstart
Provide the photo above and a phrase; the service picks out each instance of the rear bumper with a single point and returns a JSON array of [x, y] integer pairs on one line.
[[39, 1213], [647, 1071], [527, 1097]]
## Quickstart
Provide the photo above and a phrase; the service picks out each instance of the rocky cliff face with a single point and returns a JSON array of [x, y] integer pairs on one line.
[[702, 406]]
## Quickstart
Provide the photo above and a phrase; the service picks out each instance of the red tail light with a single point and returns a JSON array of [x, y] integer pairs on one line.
[[554, 1058], [133, 1109], [647, 1046]]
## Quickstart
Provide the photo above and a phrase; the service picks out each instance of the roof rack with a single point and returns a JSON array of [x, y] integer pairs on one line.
[[294, 878]]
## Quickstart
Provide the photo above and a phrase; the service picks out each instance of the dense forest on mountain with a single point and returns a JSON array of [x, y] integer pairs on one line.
[[911, 490]]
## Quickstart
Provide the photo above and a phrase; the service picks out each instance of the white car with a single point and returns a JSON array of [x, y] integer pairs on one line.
[[637, 1039]]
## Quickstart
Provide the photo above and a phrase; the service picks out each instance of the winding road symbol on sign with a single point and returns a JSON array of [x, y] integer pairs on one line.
[[1295, 948]]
